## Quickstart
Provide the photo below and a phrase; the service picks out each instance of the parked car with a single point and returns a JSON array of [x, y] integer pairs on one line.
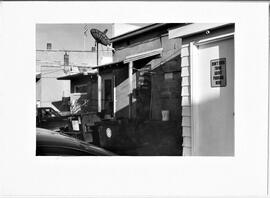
[[48, 118], [51, 143]]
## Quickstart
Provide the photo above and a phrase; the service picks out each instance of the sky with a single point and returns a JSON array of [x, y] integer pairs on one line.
[[71, 37], [67, 36]]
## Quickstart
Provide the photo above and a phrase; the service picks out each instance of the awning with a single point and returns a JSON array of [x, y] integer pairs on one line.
[[134, 57], [75, 76], [143, 55], [108, 64]]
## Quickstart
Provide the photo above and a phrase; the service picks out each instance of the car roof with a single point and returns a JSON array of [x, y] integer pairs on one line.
[[50, 138]]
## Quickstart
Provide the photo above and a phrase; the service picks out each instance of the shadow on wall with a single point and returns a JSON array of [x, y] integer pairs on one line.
[[214, 135], [159, 91], [213, 106]]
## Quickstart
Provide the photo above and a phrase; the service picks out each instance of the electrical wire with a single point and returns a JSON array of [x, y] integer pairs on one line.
[[52, 71], [71, 51]]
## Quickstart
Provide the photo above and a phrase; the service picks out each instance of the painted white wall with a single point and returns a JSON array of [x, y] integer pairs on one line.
[[106, 59], [122, 93], [213, 115]]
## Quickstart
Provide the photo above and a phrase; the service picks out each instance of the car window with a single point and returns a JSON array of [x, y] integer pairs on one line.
[[60, 151]]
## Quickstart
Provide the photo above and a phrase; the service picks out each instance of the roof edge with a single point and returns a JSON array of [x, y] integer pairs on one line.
[[137, 31]]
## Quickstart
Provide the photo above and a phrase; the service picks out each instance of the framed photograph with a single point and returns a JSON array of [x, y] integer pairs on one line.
[[138, 99]]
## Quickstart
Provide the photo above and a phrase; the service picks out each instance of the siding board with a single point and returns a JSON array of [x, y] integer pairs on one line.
[[186, 105], [186, 111], [185, 61], [186, 151], [185, 71], [185, 101], [185, 91], [186, 131], [186, 141], [185, 51], [185, 81], [186, 121]]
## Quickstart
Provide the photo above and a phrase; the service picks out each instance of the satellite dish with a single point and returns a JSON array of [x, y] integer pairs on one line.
[[100, 37]]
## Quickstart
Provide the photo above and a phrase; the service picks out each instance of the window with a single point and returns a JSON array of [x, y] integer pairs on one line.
[[80, 88], [108, 95]]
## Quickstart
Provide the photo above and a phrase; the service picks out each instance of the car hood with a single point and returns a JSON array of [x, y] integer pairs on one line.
[[51, 138]]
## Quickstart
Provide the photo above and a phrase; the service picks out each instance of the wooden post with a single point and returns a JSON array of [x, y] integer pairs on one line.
[[99, 85], [99, 93], [114, 95], [130, 69]]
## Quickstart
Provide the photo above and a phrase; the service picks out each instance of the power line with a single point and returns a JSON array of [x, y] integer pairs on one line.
[[62, 50], [70, 65], [57, 70]]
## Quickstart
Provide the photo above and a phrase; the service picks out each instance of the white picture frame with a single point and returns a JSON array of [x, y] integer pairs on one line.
[[24, 174]]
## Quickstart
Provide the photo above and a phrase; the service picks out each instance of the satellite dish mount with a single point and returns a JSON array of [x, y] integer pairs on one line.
[[100, 37]]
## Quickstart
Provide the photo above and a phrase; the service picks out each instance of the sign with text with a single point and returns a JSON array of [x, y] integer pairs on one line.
[[218, 72]]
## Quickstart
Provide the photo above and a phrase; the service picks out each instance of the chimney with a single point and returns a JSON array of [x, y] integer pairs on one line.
[[49, 46], [66, 59]]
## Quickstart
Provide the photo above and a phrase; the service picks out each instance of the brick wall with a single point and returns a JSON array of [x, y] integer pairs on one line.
[[166, 91]]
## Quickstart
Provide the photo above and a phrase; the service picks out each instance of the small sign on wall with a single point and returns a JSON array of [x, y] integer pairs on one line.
[[218, 72], [168, 76]]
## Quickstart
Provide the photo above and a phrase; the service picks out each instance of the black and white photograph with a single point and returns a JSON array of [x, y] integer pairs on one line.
[[134, 99], [128, 89]]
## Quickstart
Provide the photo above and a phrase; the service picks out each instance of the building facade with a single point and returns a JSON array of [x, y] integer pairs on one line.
[[152, 51], [52, 64], [142, 86], [207, 71], [190, 80], [83, 92]]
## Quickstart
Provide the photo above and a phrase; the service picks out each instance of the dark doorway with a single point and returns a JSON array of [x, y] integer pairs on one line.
[[108, 96]]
